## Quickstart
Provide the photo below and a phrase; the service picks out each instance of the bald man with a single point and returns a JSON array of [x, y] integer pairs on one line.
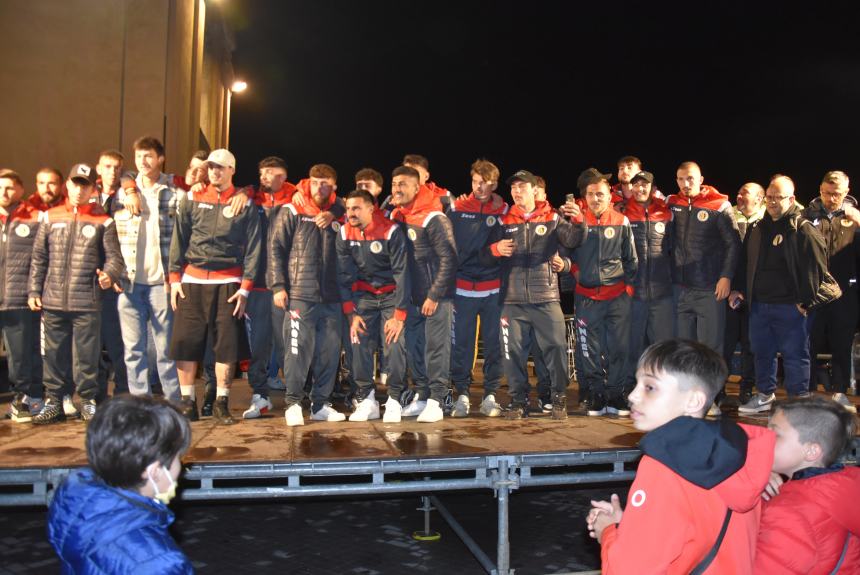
[[784, 261]]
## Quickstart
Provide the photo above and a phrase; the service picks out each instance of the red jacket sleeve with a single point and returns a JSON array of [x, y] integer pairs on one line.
[[786, 541]]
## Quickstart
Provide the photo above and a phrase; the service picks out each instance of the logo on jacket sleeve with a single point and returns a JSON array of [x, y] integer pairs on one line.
[[846, 223], [777, 239], [660, 227], [335, 226], [22, 230], [413, 235], [609, 233], [702, 216], [540, 230], [491, 221], [638, 498], [227, 212], [376, 247], [88, 231]]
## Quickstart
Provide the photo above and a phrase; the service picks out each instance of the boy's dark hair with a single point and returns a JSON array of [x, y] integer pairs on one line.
[[12, 175], [149, 143], [691, 362], [363, 194], [405, 171], [199, 155], [322, 171], [630, 160], [130, 432], [416, 160], [541, 183], [369, 174], [820, 420], [272, 162]]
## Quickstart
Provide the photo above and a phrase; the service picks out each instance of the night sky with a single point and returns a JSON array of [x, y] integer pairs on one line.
[[746, 89]]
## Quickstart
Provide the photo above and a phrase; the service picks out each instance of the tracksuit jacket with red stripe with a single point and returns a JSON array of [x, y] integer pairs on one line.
[[210, 242], [18, 231], [375, 261], [433, 253], [303, 257], [527, 275], [706, 244], [606, 260], [473, 224], [804, 529], [267, 204], [652, 236]]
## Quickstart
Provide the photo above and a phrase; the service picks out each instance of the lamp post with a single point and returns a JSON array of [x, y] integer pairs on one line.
[[237, 87]]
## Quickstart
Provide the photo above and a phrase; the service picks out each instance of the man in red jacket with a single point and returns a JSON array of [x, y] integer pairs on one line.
[[695, 477]]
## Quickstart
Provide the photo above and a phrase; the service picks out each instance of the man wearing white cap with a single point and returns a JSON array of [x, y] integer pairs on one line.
[[213, 260]]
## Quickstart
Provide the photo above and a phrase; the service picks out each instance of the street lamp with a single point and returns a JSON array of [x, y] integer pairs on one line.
[[237, 87]]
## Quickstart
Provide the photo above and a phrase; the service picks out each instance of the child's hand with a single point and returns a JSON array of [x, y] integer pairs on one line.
[[771, 490], [602, 515]]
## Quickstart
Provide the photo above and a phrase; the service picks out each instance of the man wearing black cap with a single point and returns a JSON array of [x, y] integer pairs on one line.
[[652, 308], [76, 255], [526, 242]]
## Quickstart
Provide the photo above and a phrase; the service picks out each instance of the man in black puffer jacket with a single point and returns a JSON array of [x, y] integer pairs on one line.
[[76, 255]]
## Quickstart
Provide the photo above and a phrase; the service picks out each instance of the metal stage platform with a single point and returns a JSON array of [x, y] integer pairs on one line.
[[263, 459]]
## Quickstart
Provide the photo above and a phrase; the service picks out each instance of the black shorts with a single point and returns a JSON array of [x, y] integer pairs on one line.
[[204, 311]]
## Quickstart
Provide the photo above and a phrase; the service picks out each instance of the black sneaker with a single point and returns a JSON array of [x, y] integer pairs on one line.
[[596, 405], [745, 394], [559, 406], [517, 411], [448, 403], [88, 409], [19, 410], [206, 410], [52, 412], [618, 405], [188, 408], [221, 412], [545, 403]]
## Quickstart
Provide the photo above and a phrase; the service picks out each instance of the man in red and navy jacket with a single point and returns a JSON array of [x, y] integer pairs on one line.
[[213, 261], [375, 289], [652, 309], [302, 275], [526, 244], [705, 253], [605, 269], [433, 266]]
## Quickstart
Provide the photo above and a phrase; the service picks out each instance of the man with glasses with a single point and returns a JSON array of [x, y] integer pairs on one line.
[[783, 261], [835, 215]]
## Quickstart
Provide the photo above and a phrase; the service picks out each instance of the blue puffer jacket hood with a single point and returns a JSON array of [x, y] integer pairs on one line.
[[96, 528]]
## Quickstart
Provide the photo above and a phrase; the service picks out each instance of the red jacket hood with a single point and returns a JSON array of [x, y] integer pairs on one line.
[[311, 207], [540, 212], [23, 211], [471, 204], [283, 195], [90, 208], [425, 201], [708, 197], [742, 490]]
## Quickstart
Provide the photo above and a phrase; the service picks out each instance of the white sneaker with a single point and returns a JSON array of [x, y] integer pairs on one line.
[[327, 413], [490, 408], [432, 412], [843, 400], [461, 406], [69, 407], [368, 408], [415, 408], [383, 378], [259, 406], [393, 411], [294, 416]]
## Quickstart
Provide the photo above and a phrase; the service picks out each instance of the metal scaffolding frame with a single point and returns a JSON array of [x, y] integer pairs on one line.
[[500, 473]]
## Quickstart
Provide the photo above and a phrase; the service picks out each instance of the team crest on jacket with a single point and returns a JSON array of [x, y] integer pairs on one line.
[[88, 231], [702, 216], [227, 211], [540, 230], [22, 230], [846, 223], [491, 221], [376, 247], [609, 233], [777, 239], [412, 234], [660, 227], [335, 226]]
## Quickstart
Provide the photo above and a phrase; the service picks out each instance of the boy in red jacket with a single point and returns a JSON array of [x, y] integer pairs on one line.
[[694, 477], [813, 524]]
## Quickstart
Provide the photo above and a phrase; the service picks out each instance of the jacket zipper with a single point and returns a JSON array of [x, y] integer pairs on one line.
[[647, 254], [4, 228], [72, 236]]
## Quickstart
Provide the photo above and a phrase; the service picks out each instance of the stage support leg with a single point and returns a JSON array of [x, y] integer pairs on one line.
[[504, 483]]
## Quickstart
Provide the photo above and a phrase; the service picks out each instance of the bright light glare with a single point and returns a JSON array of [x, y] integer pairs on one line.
[[239, 86]]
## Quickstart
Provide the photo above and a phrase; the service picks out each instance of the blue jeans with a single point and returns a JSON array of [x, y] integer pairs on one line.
[[145, 309], [779, 328]]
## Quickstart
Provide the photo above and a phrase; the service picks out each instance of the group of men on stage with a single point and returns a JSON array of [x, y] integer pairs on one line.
[[195, 270]]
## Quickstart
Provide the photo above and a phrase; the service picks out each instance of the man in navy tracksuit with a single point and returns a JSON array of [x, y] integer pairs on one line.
[[652, 308], [605, 267], [473, 219], [526, 243], [375, 288], [433, 266]]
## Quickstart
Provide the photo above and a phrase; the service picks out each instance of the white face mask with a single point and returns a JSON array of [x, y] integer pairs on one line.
[[168, 495]]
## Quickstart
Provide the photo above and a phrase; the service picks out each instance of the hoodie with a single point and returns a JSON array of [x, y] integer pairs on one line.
[[805, 527], [96, 528], [691, 473]]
